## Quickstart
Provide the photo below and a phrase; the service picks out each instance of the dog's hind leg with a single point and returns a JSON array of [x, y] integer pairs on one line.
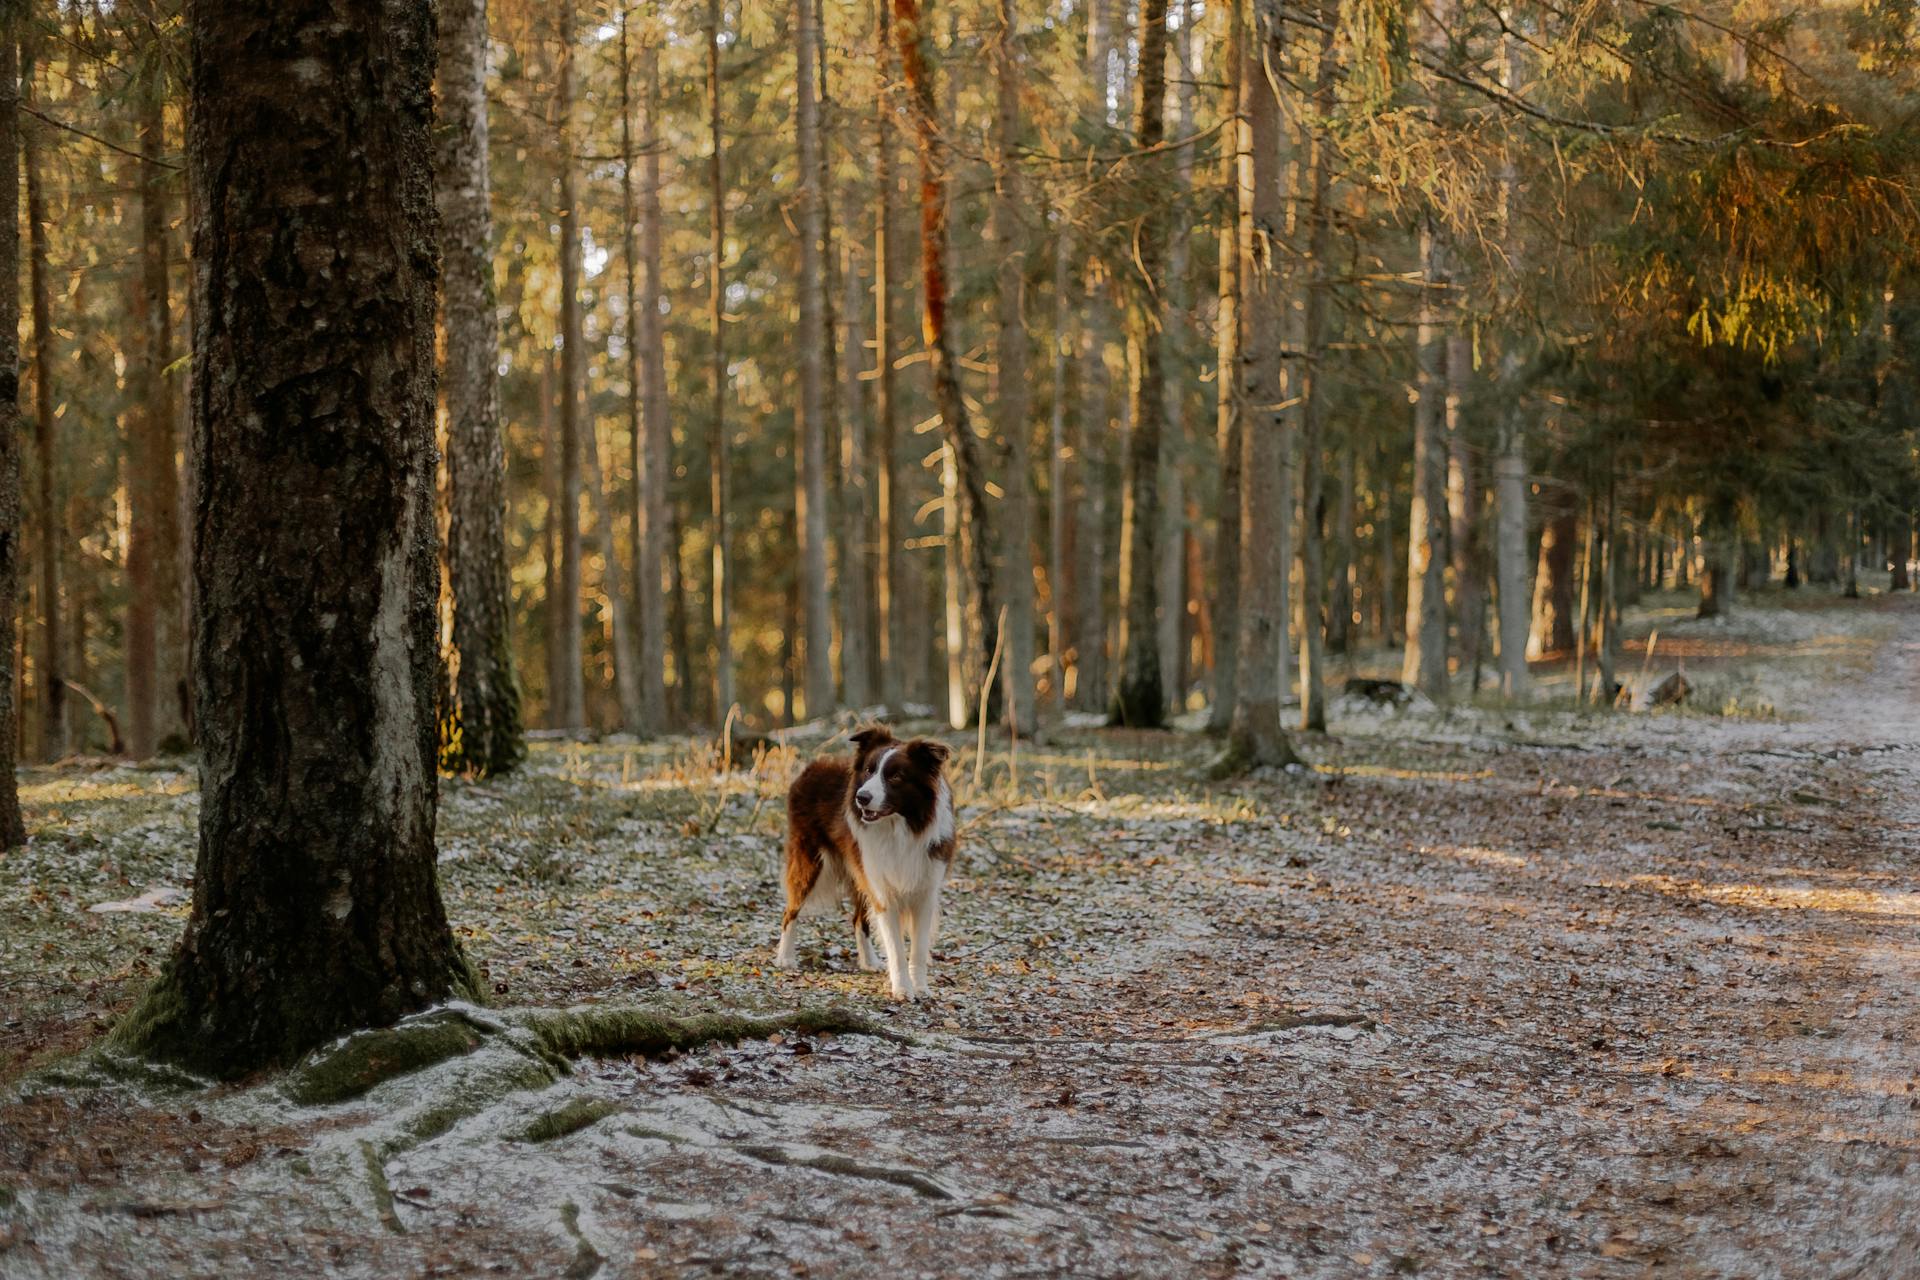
[[803, 870]]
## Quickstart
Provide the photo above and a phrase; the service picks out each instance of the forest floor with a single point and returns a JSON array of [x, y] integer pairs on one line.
[[1483, 992]]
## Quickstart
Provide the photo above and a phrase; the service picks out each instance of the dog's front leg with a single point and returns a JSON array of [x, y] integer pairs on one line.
[[890, 920], [925, 927]]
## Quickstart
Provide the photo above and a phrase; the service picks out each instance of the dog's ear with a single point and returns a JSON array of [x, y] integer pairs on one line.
[[869, 736], [928, 753]]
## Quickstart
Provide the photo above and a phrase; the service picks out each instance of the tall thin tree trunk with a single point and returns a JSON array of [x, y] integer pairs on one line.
[[1061, 623], [1229, 388], [481, 732], [975, 531], [553, 599], [49, 526], [315, 905], [858, 677], [720, 497], [1255, 737], [156, 639], [649, 436], [891, 507], [1171, 587], [13, 831], [1463, 516], [1011, 398], [1604, 630], [1550, 628], [621, 646], [1094, 420], [570, 705], [1340, 575], [1139, 698], [1425, 664], [1510, 548], [813, 340], [1313, 397]]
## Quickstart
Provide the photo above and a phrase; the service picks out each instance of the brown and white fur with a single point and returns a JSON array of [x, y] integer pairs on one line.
[[877, 830]]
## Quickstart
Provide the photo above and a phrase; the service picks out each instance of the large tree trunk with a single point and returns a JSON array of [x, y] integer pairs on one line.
[[1551, 626], [570, 699], [892, 508], [1011, 399], [1313, 408], [12, 831], [649, 434], [1255, 736], [156, 636], [970, 481], [1229, 389], [49, 528], [315, 906], [1140, 700], [482, 732], [814, 342], [719, 495]]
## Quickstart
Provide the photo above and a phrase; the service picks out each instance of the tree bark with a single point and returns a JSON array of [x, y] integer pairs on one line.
[[858, 678], [975, 531], [1011, 399], [1140, 701], [155, 638], [1229, 387], [1551, 626], [553, 601], [892, 507], [1510, 548], [719, 494], [13, 832], [570, 702], [1463, 517], [1340, 603], [1313, 396], [1094, 421], [315, 907], [1172, 586], [1255, 737], [481, 733], [49, 526], [1425, 663], [649, 433], [814, 341]]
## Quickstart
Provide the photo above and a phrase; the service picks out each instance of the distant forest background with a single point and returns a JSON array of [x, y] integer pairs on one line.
[[790, 348]]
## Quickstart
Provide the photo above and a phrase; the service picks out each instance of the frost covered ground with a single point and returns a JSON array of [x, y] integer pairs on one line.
[[1488, 992]]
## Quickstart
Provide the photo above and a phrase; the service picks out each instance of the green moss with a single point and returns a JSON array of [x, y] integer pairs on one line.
[[604, 1031], [473, 1097], [570, 1117], [366, 1058]]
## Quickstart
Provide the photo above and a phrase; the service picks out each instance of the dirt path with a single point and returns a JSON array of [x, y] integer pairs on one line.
[[1481, 996]]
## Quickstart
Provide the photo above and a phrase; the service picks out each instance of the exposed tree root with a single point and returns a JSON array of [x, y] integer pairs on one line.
[[569, 1117], [845, 1166], [608, 1031]]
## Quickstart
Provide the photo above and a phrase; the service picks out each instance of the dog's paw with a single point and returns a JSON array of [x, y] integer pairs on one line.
[[785, 960]]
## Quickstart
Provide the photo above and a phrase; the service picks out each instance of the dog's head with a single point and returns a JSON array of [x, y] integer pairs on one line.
[[891, 776]]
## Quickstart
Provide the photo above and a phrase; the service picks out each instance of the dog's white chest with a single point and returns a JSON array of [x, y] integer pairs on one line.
[[896, 863]]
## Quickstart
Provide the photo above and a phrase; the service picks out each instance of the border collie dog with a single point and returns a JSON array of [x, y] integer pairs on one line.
[[877, 830]]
